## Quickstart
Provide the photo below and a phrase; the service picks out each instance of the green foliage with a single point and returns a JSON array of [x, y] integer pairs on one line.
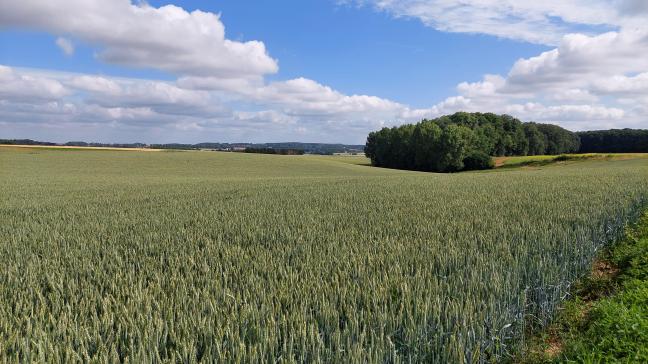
[[558, 140], [477, 160], [459, 141], [616, 328], [232, 257], [537, 142]]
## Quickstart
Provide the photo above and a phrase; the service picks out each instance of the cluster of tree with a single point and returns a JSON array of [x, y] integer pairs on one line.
[[282, 151], [614, 141], [24, 142], [464, 141]]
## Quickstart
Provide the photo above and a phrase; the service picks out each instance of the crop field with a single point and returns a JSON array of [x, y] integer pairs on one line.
[[225, 257]]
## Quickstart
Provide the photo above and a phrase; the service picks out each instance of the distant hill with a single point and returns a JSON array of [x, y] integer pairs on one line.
[[308, 148]]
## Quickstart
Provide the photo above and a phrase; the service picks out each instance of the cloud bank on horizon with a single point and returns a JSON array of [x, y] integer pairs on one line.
[[594, 76]]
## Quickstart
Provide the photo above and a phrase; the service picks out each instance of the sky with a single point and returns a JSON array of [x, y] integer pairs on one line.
[[313, 71]]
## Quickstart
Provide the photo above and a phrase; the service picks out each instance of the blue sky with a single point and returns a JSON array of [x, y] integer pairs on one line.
[[353, 49], [357, 65]]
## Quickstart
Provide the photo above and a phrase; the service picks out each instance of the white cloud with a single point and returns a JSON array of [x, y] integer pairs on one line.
[[309, 97], [580, 58], [156, 94], [302, 96], [583, 83], [488, 87], [622, 85], [66, 46], [18, 87], [292, 105], [543, 22], [570, 113], [97, 84], [633, 8], [573, 95], [265, 117], [167, 38]]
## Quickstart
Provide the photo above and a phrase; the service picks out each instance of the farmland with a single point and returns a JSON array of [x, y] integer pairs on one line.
[[186, 256]]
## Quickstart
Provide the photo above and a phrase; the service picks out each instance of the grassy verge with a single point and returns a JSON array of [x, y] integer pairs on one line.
[[607, 320]]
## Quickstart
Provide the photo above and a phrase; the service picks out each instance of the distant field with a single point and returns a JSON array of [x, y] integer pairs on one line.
[[186, 256]]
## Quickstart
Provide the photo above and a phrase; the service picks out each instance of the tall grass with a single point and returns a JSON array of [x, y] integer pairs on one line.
[[110, 256]]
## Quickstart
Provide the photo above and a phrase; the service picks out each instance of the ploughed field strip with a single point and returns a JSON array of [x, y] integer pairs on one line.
[[234, 257]]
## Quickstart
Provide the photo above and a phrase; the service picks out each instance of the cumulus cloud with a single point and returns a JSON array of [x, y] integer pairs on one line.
[[300, 95], [159, 96], [580, 58], [291, 105], [22, 87], [306, 96], [570, 113], [167, 38], [622, 85], [84, 97]]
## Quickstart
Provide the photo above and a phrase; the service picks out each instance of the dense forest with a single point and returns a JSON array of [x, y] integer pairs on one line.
[[464, 141], [614, 141]]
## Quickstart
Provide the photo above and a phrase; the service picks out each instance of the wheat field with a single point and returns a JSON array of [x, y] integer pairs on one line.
[[108, 256]]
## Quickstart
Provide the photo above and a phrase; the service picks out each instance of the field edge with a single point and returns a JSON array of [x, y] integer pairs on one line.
[[605, 319]]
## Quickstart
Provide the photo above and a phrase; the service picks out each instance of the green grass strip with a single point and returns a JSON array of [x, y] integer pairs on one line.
[[607, 320]]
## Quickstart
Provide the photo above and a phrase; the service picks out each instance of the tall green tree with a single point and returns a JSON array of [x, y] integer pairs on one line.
[[536, 140]]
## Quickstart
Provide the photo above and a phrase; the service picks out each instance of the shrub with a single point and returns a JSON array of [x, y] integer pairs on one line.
[[478, 160]]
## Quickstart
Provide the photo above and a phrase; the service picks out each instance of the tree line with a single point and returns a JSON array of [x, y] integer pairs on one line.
[[25, 142], [614, 141], [464, 141], [282, 151], [307, 148]]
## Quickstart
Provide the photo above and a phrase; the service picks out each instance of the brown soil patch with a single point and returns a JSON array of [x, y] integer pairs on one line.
[[499, 161], [554, 347], [603, 269]]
